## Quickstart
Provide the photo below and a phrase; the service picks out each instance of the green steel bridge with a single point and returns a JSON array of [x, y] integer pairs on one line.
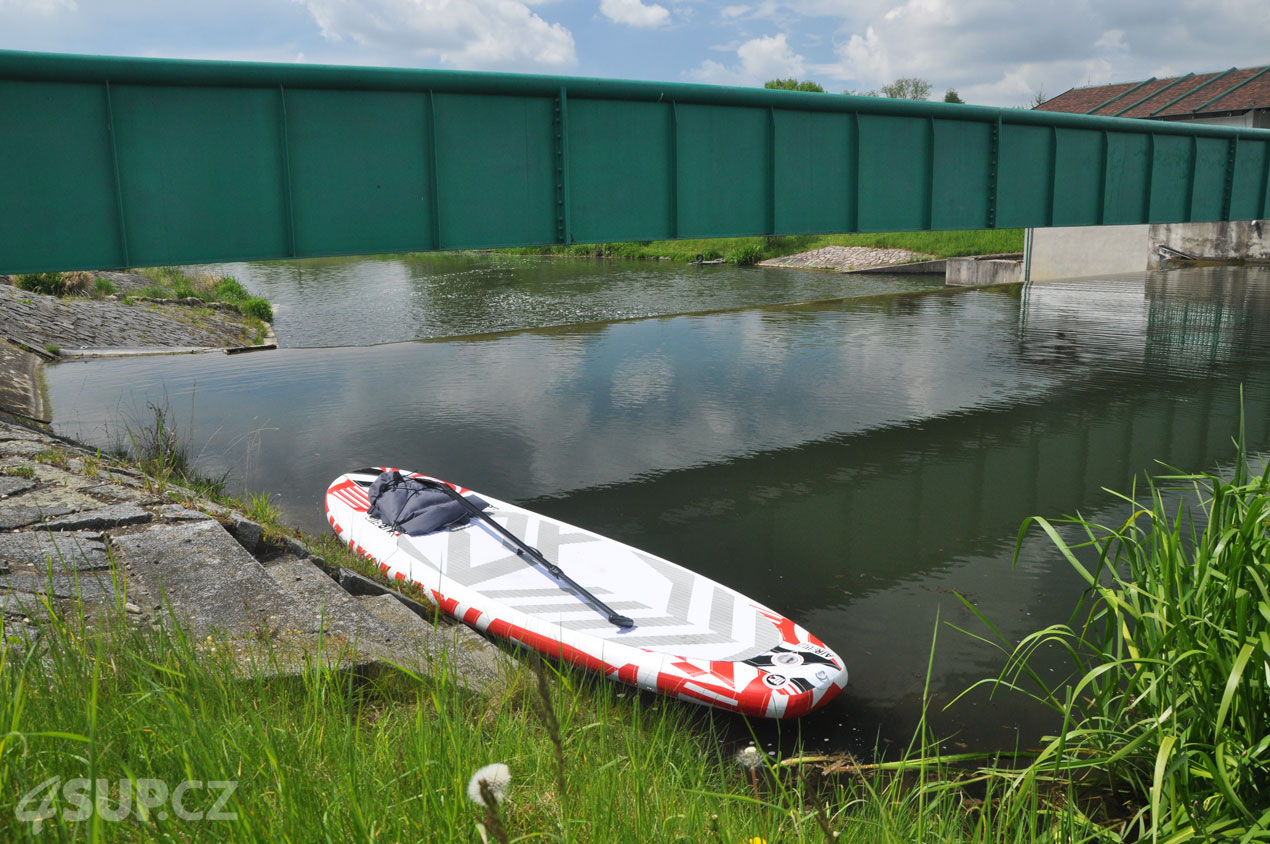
[[119, 162]]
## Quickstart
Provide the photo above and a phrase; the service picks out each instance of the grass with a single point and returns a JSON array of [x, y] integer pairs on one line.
[[175, 283], [338, 756], [1168, 702], [55, 284], [941, 244]]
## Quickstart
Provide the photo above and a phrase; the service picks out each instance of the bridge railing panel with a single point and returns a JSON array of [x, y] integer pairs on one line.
[[360, 172], [622, 170], [1249, 196], [962, 189], [108, 162], [58, 203]]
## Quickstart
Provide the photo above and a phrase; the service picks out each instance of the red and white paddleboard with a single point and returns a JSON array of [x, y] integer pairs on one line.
[[692, 638]]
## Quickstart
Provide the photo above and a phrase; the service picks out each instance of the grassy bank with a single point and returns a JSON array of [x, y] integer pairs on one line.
[[743, 250], [329, 756], [1165, 725], [167, 283], [176, 283]]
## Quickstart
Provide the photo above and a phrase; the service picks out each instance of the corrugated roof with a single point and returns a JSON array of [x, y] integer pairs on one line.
[[1176, 96]]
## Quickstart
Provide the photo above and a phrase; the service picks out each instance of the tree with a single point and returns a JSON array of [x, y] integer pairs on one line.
[[854, 93], [907, 88], [951, 96], [792, 84]]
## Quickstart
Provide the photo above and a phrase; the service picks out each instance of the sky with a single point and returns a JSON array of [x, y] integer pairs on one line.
[[992, 52]]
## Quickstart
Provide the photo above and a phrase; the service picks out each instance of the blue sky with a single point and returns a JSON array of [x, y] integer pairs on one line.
[[992, 52]]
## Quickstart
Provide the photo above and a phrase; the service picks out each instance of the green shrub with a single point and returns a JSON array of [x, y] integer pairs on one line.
[[103, 287], [50, 284], [255, 306], [744, 256], [229, 289]]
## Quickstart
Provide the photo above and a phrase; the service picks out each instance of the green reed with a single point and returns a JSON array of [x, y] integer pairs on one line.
[[1168, 702]]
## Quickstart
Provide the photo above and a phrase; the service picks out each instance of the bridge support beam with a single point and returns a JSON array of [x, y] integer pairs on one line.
[[110, 162]]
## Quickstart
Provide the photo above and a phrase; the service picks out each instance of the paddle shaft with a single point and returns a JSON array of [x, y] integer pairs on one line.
[[524, 549]]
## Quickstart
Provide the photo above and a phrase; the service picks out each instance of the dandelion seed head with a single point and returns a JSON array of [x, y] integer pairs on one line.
[[749, 758], [496, 776]]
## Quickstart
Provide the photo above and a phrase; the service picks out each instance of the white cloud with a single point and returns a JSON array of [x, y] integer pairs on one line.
[[993, 55], [1112, 39], [759, 59], [733, 11], [38, 7], [635, 13], [467, 34]]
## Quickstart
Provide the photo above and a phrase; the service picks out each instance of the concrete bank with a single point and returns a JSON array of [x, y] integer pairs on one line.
[[78, 531], [35, 328]]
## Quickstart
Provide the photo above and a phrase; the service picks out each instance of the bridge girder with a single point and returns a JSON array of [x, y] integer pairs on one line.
[[115, 162]]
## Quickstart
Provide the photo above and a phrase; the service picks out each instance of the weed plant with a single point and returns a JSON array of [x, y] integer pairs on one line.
[[50, 284], [1168, 703], [174, 282], [55, 284], [745, 255]]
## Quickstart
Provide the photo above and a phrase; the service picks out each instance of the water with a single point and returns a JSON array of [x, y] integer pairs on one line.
[[388, 299], [856, 465]]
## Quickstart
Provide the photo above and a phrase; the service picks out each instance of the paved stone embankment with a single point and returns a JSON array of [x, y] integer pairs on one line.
[[35, 327], [75, 529], [73, 323], [844, 258]]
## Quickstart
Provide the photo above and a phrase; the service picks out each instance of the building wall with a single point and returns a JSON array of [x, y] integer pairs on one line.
[[1258, 118]]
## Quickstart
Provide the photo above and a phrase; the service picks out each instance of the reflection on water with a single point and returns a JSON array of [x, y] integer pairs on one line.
[[389, 299], [855, 464]]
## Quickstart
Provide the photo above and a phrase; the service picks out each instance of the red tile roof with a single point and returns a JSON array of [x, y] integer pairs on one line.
[[1177, 96]]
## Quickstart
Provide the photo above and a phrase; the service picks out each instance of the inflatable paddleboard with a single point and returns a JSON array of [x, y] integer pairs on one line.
[[609, 608]]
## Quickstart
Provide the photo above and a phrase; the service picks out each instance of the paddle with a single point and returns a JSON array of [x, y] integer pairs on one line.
[[524, 550]]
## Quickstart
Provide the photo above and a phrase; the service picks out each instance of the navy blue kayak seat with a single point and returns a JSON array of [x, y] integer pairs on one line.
[[414, 507]]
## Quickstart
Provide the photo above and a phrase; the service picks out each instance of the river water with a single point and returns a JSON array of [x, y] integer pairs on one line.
[[856, 464]]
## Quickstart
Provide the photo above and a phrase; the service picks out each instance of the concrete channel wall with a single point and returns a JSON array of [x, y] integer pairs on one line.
[[1104, 250]]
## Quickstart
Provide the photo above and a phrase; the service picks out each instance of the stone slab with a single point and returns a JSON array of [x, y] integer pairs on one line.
[[22, 514], [382, 626], [9, 431], [179, 513], [211, 584], [11, 485], [110, 516], [326, 606], [475, 663], [88, 586], [20, 391], [13, 605], [61, 551]]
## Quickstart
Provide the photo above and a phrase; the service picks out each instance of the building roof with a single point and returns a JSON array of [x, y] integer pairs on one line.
[[1194, 94]]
